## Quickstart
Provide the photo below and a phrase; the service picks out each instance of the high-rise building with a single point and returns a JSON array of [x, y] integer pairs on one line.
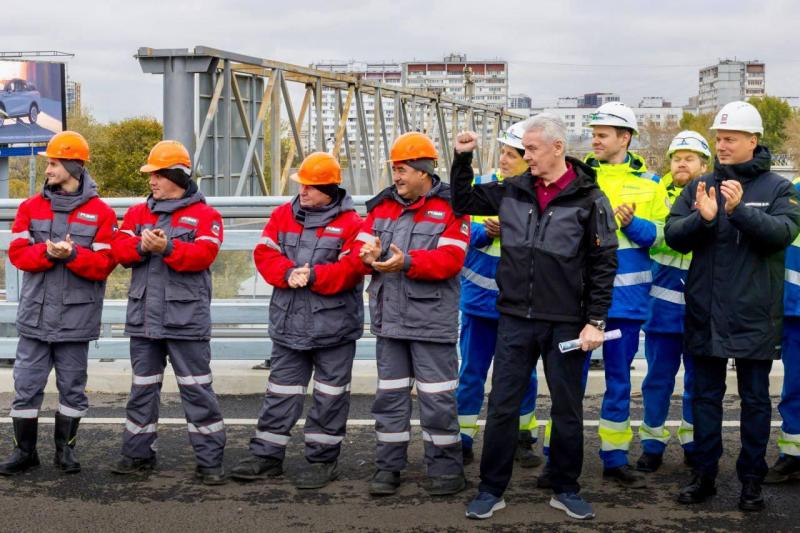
[[73, 96], [483, 82], [448, 75], [652, 109], [730, 80]]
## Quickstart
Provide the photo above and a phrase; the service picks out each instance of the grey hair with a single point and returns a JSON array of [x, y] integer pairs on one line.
[[551, 126]]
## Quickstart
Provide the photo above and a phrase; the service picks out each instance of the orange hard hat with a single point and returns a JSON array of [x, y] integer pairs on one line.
[[67, 145], [319, 168], [167, 154], [413, 145]]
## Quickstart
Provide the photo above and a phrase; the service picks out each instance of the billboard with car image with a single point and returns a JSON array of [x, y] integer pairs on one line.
[[32, 101]]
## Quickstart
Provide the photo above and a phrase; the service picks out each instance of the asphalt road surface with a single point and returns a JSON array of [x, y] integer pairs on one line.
[[171, 500]]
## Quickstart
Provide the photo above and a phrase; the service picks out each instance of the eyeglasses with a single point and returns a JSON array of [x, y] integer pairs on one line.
[[600, 116]]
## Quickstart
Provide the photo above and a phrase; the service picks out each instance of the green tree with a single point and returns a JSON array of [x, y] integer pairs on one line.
[[119, 151], [701, 124], [775, 113]]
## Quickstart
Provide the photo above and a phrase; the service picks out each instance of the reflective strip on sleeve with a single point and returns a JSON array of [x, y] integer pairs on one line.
[[267, 241], [343, 254], [633, 278], [481, 281], [441, 440], [24, 413], [128, 232], [209, 238], [70, 412], [792, 276], [330, 389], [204, 379], [366, 237], [322, 438], [446, 241], [148, 380], [393, 384], [21, 235], [402, 436], [273, 438], [439, 386], [207, 430], [668, 295], [132, 427], [285, 389], [97, 246]]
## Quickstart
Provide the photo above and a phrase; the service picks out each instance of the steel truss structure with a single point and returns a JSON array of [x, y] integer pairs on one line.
[[244, 105]]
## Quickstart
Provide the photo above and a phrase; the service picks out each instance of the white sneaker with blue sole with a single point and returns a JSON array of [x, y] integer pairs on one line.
[[484, 505]]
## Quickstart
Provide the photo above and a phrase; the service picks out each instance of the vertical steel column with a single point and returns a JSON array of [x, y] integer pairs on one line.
[[362, 133], [275, 134], [179, 102], [226, 116], [320, 122]]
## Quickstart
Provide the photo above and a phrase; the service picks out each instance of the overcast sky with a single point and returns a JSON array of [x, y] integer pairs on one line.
[[553, 49]]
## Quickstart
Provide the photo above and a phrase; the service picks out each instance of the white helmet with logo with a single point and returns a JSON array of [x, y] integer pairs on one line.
[[513, 135], [614, 114], [739, 116], [689, 140]]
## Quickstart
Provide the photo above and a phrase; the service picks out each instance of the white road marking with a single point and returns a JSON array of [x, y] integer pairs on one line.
[[358, 422]]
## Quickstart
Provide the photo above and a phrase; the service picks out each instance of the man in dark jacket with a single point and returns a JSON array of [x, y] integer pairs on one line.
[[169, 242], [61, 240], [556, 273], [736, 222], [316, 314]]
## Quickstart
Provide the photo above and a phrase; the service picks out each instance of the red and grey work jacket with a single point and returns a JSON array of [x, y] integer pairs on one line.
[[421, 301], [170, 292], [62, 299], [330, 309]]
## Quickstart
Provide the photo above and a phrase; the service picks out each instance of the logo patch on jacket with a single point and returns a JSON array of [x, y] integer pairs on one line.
[[191, 221], [438, 215], [333, 230], [215, 228], [87, 216], [465, 228], [757, 204]]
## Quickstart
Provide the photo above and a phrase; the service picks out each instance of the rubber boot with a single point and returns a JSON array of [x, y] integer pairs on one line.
[[65, 434], [24, 456]]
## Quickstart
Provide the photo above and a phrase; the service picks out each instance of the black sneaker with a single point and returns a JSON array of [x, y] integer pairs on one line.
[[132, 465], [786, 468], [211, 475], [317, 475], [255, 467], [544, 481], [524, 453], [467, 455], [625, 476], [699, 490], [649, 462], [751, 498], [384, 483], [445, 485]]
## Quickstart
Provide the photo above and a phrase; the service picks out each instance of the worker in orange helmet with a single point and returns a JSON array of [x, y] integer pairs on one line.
[[169, 242], [61, 240], [316, 314], [414, 247]]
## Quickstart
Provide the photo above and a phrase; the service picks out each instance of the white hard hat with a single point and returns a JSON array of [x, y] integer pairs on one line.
[[739, 116], [689, 140], [513, 136], [614, 114]]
